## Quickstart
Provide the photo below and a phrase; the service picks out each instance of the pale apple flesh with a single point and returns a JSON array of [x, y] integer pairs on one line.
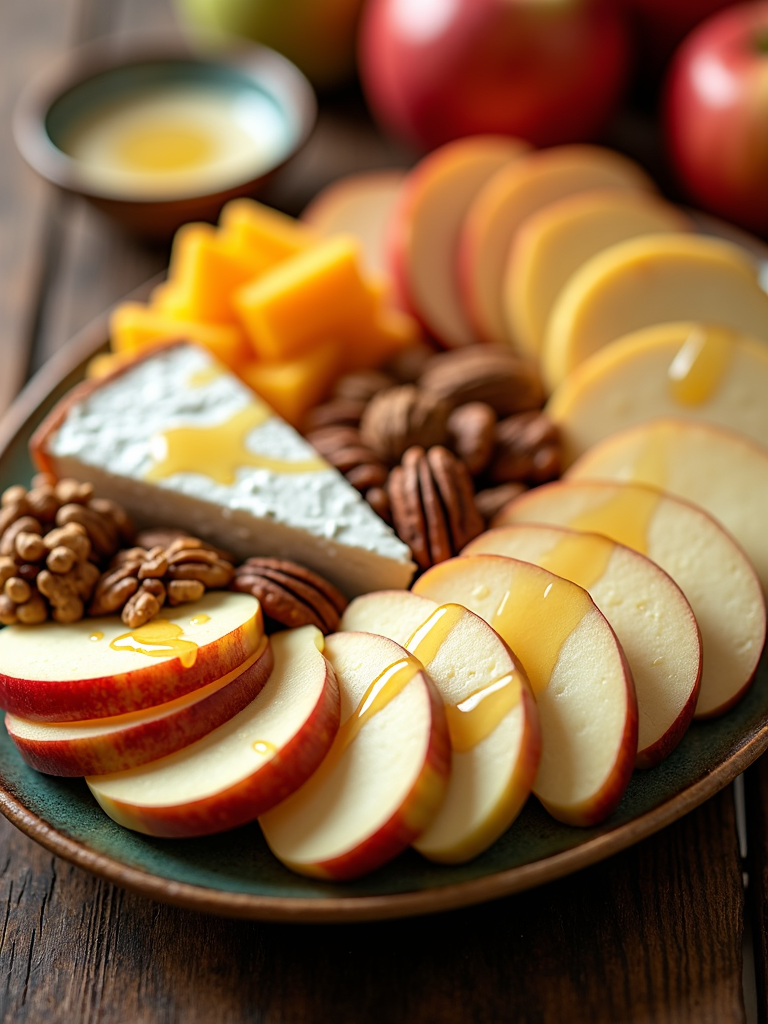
[[493, 768], [712, 571], [424, 230], [723, 472], [360, 205], [104, 745], [654, 623], [97, 668], [580, 677], [699, 371], [385, 776], [243, 767]]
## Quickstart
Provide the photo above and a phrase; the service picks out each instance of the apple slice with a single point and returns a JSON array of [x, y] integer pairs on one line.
[[424, 231], [577, 669], [551, 244], [360, 205], [504, 203], [723, 472], [384, 777], [98, 668], [689, 369], [651, 280], [646, 609], [709, 567], [105, 745], [492, 718], [246, 765]]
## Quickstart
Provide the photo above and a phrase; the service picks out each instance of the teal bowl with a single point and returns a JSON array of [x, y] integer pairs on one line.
[[156, 135]]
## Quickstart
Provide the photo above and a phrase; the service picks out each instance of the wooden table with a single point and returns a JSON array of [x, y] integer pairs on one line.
[[653, 934]]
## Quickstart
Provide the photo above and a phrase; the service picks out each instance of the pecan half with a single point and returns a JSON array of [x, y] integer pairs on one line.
[[343, 448], [290, 594], [362, 385], [471, 434], [432, 502], [528, 450], [484, 373], [401, 417]]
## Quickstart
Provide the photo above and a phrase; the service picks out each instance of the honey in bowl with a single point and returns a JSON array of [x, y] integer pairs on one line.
[[167, 130]]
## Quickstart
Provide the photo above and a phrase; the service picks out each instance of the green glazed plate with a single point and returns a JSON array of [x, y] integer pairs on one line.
[[234, 874]]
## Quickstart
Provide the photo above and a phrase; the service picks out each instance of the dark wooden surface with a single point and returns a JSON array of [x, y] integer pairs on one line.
[[652, 935]]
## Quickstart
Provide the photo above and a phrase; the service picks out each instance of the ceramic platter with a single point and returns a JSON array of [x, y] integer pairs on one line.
[[234, 874]]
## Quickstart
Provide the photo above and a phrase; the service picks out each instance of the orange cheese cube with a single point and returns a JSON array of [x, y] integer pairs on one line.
[[292, 387], [315, 296], [204, 272], [261, 235], [133, 326]]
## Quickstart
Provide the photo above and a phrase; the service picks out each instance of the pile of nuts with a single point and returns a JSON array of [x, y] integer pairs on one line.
[[54, 538], [479, 406]]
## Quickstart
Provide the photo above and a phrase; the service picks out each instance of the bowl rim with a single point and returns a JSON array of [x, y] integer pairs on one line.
[[273, 72]]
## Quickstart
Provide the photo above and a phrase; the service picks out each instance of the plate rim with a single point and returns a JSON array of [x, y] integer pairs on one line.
[[69, 360]]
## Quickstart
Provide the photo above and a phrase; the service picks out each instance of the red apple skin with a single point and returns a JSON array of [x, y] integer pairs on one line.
[[244, 802], [716, 115], [66, 700], [548, 73], [147, 741], [411, 818], [603, 803]]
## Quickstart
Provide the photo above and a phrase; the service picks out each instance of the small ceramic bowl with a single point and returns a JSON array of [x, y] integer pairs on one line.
[[156, 135]]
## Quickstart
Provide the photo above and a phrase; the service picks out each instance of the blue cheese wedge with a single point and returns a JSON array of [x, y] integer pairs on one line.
[[180, 441]]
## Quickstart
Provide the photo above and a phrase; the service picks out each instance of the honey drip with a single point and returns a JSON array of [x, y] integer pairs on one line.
[[384, 688], [209, 373], [158, 638], [218, 451], [477, 715], [700, 365], [96, 636], [625, 518], [581, 558], [199, 620], [535, 618], [264, 747]]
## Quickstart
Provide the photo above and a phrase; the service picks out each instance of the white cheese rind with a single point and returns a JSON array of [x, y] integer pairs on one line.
[[114, 436]]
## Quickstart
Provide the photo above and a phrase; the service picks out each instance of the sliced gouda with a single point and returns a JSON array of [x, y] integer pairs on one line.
[[552, 244], [504, 203], [652, 280], [679, 369]]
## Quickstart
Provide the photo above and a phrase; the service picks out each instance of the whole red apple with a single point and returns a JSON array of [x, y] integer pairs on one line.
[[716, 115], [549, 71]]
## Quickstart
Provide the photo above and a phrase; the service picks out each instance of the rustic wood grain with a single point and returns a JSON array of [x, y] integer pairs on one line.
[[652, 935], [756, 794]]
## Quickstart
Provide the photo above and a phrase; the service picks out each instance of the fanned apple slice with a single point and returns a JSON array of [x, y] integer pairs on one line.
[[646, 609], [720, 470], [424, 230], [709, 567], [360, 205], [96, 668], [578, 672], [492, 718], [384, 777], [246, 765], [114, 744]]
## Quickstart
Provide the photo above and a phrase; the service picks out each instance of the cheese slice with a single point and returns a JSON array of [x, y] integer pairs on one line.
[[178, 440], [552, 244], [652, 280], [689, 369]]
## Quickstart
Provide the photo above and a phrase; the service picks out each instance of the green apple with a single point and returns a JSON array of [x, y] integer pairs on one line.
[[317, 35]]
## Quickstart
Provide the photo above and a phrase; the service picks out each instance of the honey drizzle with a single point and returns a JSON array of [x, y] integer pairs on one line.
[[625, 518], [477, 715], [700, 365], [535, 617], [384, 688], [264, 747], [209, 373], [200, 619], [218, 451], [158, 638], [96, 636], [581, 558]]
